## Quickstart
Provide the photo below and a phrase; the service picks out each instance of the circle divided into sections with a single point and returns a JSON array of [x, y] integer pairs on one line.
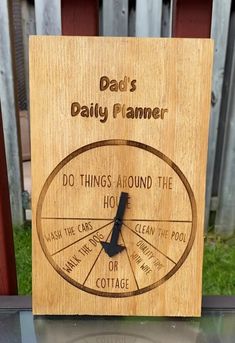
[[77, 206]]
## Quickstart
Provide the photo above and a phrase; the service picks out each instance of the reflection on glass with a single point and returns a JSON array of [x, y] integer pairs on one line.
[[21, 327], [121, 330]]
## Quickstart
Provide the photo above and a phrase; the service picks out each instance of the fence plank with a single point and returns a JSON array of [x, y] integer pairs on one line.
[[115, 18], [167, 9], [80, 18], [225, 215], [48, 17], [10, 111], [132, 18], [8, 283], [148, 18], [192, 19], [28, 28], [219, 31]]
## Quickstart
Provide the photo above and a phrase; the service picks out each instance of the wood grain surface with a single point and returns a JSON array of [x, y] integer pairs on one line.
[[112, 116]]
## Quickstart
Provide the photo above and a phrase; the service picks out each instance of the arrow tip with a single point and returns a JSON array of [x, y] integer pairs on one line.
[[112, 250]]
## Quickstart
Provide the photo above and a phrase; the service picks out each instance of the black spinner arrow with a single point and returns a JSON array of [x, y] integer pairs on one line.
[[113, 248]]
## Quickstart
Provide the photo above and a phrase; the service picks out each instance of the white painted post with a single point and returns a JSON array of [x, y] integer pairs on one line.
[[219, 32], [10, 112], [115, 18], [148, 18], [48, 17], [225, 215]]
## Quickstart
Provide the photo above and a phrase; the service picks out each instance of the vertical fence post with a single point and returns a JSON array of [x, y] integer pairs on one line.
[[219, 31], [8, 283], [167, 8], [148, 18], [115, 18], [225, 215], [80, 18], [10, 111], [192, 19], [48, 17], [28, 28]]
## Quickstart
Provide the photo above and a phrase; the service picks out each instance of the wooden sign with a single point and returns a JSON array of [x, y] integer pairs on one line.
[[119, 143]]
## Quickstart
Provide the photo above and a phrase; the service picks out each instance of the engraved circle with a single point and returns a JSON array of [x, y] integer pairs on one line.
[[116, 142]]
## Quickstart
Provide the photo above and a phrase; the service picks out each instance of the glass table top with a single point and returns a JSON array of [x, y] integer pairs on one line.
[[19, 325]]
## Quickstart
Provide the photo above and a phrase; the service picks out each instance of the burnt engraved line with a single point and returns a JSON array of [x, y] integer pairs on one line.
[[150, 244], [157, 220], [89, 273], [75, 218], [130, 261], [96, 259], [80, 239], [125, 220]]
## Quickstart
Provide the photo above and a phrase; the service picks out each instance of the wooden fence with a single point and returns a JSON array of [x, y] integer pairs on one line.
[[145, 18], [8, 284]]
